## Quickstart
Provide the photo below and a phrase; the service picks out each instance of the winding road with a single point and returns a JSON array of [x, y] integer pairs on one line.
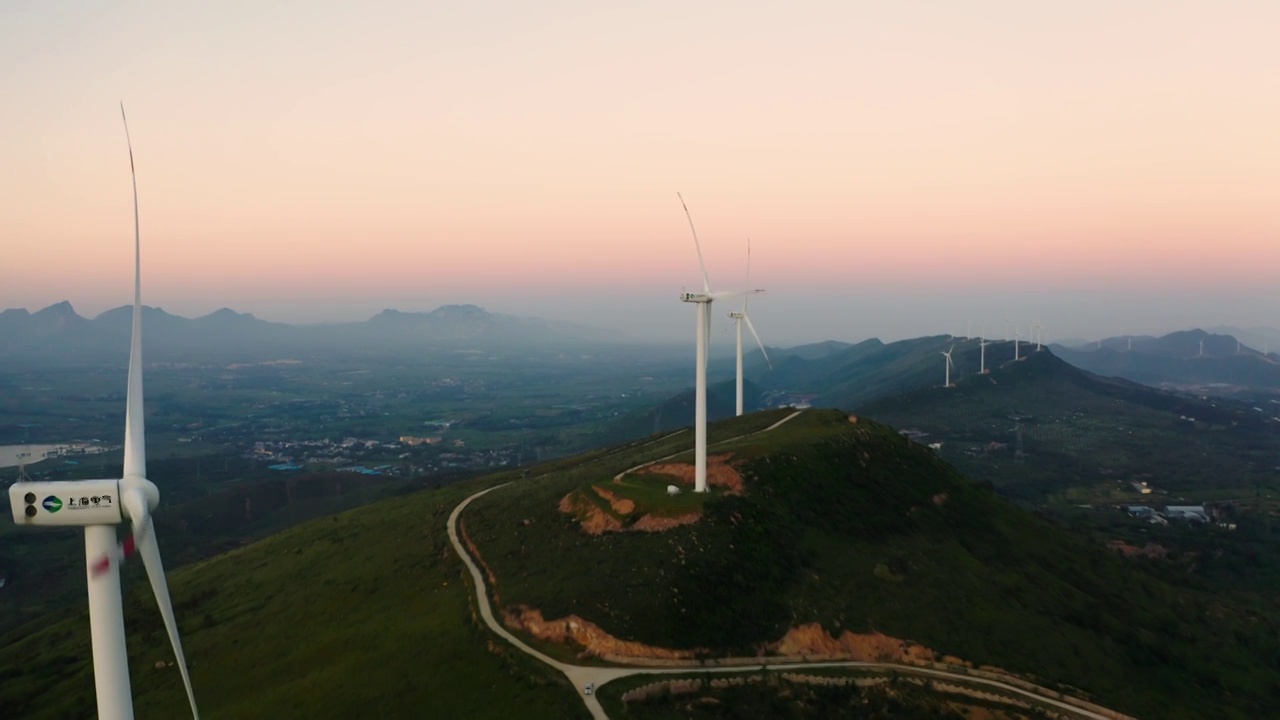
[[582, 675]]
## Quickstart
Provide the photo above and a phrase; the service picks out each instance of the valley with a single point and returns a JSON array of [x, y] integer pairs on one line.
[[827, 537]]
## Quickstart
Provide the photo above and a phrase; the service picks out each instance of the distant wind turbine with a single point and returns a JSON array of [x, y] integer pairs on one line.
[[98, 506], [702, 302], [1201, 348], [982, 355], [1130, 344], [741, 318], [1017, 335], [1039, 328], [947, 355]]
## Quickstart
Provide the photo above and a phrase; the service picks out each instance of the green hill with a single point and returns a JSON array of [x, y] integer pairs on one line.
[[856, 528], [1084, 437], [363, 614], [844, 524]]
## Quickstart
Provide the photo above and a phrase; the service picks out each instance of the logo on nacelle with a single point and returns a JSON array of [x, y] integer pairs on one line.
[[52, 503]]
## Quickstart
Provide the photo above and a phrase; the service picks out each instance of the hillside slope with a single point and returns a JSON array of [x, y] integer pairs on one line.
[[363, 614], [1079, 429], [853, 527], [847, 525]]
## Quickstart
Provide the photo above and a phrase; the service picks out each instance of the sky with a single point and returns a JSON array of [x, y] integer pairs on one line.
[[900, 168]]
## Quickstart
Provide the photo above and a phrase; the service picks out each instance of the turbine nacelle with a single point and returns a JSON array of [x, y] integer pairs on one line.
[[67, 503], [696, 297]]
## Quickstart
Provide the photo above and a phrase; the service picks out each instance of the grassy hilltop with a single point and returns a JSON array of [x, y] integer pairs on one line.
[[853, 527]]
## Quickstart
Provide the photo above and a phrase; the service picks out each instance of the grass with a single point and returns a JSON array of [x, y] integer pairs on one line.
[[362, 614]]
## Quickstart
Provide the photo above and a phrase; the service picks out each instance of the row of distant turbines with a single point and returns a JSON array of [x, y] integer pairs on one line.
[[1036, 336]]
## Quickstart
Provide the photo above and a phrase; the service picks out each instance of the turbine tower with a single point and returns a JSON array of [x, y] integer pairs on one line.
[[1017, 336], [982, 355], [98, 506], [739, 319], [947, 355], [1201, 348], [702, 303]]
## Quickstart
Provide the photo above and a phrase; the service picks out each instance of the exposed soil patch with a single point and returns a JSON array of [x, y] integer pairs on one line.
[[719, 473], [475, 553], [593, 519], [622, 506], [588, 636], [658, 523], [1151, 550], [813, 642]]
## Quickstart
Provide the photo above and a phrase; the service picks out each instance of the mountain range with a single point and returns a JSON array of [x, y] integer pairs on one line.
[[58, 331], [1196, 360]]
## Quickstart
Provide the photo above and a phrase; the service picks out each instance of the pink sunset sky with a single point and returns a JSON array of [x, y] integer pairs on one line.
[[900, 167]]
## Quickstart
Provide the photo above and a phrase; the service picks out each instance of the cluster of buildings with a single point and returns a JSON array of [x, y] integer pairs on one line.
[[1179, 513]]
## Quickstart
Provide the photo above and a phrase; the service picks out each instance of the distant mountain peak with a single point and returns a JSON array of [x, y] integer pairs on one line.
[[460, 311], [62, 309]]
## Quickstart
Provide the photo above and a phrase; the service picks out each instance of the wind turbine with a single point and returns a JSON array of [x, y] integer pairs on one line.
[[1130, 343], [947, 355], [1017, 335], [702, 302], [1039, 328], [739, 319], [1201, 348], [98, 506], [982, 355]]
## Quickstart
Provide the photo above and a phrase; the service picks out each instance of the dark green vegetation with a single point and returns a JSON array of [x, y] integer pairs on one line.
[[44, 568], [854, 527], [765, 695], [363, 614]]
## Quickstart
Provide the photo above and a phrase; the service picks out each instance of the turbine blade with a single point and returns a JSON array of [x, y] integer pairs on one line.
[[144, 538], [706, 284], [135, 451], [756, 335]]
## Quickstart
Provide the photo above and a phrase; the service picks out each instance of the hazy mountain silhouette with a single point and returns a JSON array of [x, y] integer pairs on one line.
[[1227, 365], [59, 332]]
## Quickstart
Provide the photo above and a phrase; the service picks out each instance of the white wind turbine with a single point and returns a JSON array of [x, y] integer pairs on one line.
[[947, 355], [99, 506], [1039, 330], [982, 355], [741, 318], [702, 301], [1201, 348], [1017, 336]]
